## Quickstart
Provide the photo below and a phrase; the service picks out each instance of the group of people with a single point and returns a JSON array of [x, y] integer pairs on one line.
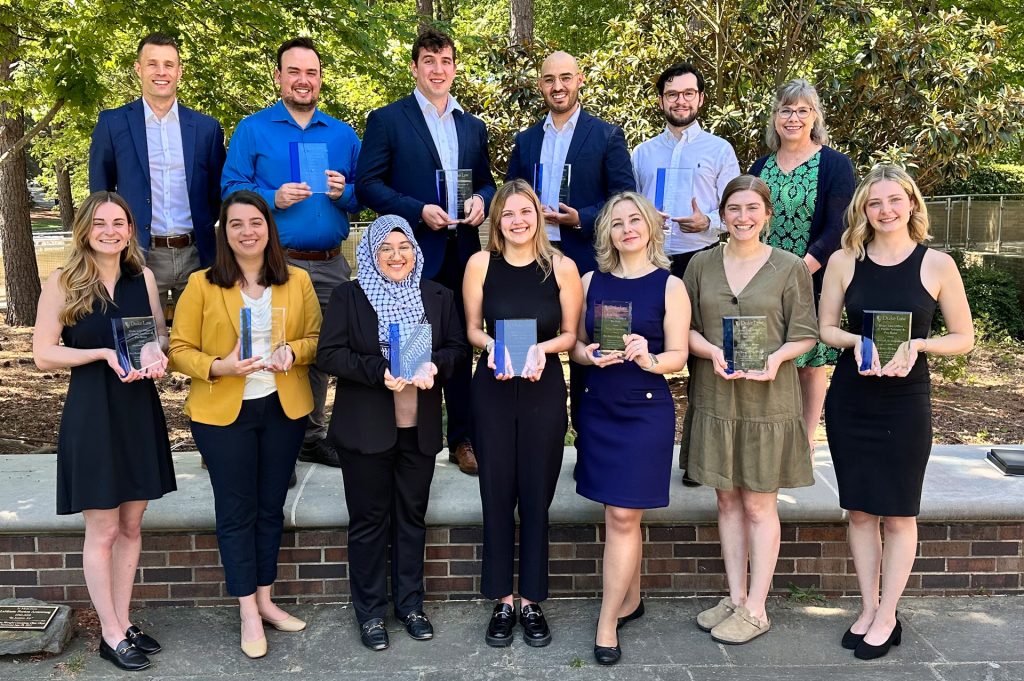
[[771, 243]]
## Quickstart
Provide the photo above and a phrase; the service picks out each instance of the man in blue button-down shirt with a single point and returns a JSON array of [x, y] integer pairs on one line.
[[311, 225]]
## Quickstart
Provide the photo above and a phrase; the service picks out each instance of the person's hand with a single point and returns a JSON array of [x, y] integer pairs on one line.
[[424, 377], [290, 193], [508, 372], [233, 366], [636, 349], [697, 221], [126, 376], [335, 184], [535, 363], [903, 361], [603, 359], [771, 370], [565, 216], [281, 359], [721, 366], [435, 217], [153, 360], [858, 356], [474, 211], [394, 384]]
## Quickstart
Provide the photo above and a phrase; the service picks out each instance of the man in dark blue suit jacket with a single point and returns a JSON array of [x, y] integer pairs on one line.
[[597, 153], [405, 143], [173, 189]]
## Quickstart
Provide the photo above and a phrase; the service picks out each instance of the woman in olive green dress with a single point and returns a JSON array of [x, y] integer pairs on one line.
[[811, 186], [744, 433]]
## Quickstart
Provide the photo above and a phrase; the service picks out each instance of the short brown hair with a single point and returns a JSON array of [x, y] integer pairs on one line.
[[156, 39], [302, 43], [225, 271], [431, 40]]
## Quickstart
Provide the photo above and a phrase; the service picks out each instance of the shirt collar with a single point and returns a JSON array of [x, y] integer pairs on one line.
[[149, 114], [279, 112], [689, 135], [549, 123], [427, 107]]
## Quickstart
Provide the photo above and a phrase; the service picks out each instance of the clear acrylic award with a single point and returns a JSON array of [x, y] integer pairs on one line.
[[888, 330], [410, 346], [673, 192], [136, 343], [309, 164], [551, 183], [612, 320], [455, 192], [745, 341], [513, 340]]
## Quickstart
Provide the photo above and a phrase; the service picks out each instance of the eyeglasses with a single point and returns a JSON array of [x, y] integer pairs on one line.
[[801, 113], [673, 96], [405, 250]]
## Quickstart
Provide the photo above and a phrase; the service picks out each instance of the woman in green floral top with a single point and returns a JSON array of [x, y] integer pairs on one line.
[[811, 186]]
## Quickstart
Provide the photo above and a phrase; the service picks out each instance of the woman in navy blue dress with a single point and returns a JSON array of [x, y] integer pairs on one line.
[[627, 416]]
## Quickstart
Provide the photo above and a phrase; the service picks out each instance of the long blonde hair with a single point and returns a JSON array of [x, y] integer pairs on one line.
[[859, 231], [541, 245], [607, 256], [80, 276]]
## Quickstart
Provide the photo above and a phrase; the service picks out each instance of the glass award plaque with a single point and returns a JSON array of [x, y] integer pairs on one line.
[[309, 164], [410, 346], [455, 192], [673, 191], [887, 329], [551, 183], [612, 320], [745, 341], [245, 333], [513, 339], [135, 343]]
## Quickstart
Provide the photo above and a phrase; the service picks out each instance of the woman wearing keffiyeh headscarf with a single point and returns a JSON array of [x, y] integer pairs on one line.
[[386, 423]]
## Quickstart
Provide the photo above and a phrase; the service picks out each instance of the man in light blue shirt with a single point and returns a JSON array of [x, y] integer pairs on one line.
[[311, 225], [684, 144]]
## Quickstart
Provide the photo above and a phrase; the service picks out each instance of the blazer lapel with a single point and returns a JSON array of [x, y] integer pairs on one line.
[[233, 303], [461, 134], [584, 124], [136, 115], [534, 143], [187, 123], [415, 116]]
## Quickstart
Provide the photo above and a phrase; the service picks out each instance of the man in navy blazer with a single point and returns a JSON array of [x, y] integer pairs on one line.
[[405, 144], [165, 160], [568, 135]]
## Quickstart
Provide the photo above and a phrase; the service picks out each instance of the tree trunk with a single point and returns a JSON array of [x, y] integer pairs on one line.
[[521, 24], [65, 200], [21, 274], [425, 8]]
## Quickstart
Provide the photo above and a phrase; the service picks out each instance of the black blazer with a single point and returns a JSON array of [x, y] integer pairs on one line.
[[364, 409]]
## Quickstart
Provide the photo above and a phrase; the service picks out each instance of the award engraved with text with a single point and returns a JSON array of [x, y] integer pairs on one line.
[[136, 343], [612, 320], [309, 164], [551, 183], [455, 192], [745, 341], [673, 192], [888, 330], [409, 346], [514, 340]]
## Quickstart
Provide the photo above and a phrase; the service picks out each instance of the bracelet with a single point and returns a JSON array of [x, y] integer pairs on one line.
[[654, 362]]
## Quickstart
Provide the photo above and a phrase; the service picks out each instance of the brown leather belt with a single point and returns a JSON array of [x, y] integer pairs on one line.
[[312, 255], [180, 241]]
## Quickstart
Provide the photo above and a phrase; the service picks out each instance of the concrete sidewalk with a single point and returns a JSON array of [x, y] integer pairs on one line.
[[944, 639]]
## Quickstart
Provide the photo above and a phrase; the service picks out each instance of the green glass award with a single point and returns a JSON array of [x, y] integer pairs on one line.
[[888, 330]]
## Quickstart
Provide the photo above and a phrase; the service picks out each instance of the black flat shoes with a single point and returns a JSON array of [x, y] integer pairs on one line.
[[373, 634], [124, 656], [535, 628], [499, 628], [142, 641], [635, 615]]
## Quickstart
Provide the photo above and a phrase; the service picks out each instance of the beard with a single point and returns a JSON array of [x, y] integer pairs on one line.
[[680, 121], [295, 105], [568, 105]]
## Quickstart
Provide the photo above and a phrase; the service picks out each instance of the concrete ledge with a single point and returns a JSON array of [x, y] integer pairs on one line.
[[961, 486]]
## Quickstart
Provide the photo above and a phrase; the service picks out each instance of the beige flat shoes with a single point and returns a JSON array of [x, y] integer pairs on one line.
[[712, 617], [740, 627], [290, 623]]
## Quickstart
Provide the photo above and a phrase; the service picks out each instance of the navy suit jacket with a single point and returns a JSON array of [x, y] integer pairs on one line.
[[119, 162], [397, 174], [600, 167]]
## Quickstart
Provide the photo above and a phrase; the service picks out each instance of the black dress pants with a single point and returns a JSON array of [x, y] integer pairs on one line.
[[387, 494]]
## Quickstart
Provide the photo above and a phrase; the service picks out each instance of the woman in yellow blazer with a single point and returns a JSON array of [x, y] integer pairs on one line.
[[248, 407]]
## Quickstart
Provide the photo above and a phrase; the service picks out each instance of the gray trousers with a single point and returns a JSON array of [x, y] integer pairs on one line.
[[171, 268], [326, 275]]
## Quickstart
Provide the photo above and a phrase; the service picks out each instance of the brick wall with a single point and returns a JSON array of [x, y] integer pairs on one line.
[[184, 569]]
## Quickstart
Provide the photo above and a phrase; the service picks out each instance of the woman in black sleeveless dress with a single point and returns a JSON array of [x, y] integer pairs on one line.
[[112, 450], [879, 419], [519, 423]]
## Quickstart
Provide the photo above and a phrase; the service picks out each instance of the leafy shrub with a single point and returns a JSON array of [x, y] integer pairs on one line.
[[996, 178], [994, 299]]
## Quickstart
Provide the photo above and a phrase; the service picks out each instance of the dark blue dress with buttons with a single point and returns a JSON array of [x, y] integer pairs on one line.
[[626, 429]]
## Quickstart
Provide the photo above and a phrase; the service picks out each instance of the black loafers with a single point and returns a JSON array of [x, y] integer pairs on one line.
[[535, 627], [499, 629], [635, 615], [418, 626], [124, 656], [142, 641], [374, 635], [607, 655]]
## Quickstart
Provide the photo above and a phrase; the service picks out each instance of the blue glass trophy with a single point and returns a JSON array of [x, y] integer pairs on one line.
[[410, 346], [309, 164], [136, 343], [513, 341], [673, 192], [455, 192]]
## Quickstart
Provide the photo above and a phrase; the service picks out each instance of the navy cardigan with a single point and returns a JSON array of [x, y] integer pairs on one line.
[[836, 182]]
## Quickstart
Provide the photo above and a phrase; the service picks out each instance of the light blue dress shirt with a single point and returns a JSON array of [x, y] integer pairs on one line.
[[172, 215], [553, 151]]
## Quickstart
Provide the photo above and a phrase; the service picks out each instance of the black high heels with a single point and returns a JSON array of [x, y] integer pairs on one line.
[[866, 651], [851, 640]]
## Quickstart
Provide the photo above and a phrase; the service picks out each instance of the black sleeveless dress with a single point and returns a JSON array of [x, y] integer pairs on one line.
[[112, 445], [880, 428]]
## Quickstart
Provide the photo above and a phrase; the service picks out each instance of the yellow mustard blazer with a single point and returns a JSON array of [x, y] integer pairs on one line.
[[206, 327]]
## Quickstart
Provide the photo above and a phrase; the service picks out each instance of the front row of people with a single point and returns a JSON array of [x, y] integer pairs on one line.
[[743, 435]]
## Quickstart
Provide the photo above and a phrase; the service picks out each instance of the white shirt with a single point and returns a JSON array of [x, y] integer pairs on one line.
[[172, 215], [260, 383], [715, 165], [445, 135], [553, 151]]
